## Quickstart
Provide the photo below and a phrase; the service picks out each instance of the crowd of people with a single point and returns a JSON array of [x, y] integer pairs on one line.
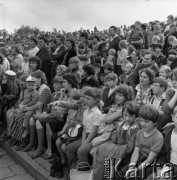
[[82, 97]]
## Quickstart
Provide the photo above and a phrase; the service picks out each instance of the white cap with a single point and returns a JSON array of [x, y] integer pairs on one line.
[[10, 73], [31, 79]]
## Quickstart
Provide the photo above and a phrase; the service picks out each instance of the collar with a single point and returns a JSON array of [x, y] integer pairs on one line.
[[138, 87], [95, 108], [163, 96], [113, 37], [159, 55]]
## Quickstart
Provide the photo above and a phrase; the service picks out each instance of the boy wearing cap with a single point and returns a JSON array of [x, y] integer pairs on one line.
[[30, 98]]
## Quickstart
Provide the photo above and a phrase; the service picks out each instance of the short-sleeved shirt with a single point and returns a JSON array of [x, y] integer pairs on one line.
[[91, 117], [149, 144]]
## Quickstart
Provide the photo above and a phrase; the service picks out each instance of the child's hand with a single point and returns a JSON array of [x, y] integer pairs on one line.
[[60, 132], [55, 103]]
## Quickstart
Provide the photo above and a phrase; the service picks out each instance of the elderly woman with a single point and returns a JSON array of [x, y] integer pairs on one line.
[[16, 126]]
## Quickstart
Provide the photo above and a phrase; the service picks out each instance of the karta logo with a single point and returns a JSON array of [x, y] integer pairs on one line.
[[165, 172]]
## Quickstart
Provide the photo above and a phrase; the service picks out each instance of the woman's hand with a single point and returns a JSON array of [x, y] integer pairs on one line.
[[166, 126]]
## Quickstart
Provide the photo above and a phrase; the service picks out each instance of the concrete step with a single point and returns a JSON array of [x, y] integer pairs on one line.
[[39, 168]]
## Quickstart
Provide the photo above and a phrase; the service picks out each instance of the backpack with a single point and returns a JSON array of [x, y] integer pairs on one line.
[[73, 133]]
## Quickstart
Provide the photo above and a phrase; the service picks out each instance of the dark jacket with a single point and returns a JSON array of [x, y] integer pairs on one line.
[[127, 80], [161, 60], [69, 54], [108, 101], [45, 55], [164, 156], [60, 55], [115, 43], [89, 81]]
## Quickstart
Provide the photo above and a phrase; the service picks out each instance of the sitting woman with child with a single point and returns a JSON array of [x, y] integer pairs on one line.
[[69, 82], [16, 126]]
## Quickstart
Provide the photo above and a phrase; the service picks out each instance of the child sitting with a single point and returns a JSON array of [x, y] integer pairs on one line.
[[148, 144], [91, 123], [30, 98]]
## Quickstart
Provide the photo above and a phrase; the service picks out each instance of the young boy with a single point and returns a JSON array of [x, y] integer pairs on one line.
[[108, 95], [127, 76], [108, 68], [148, 144], [30, 98], [159, 87]]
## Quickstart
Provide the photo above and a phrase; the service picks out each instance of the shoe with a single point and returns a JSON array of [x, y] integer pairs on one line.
[[18, 148], [37, 154], [44, 155], [51, 161], [48, 157], [28, 148], [59, 174], [13, 143], [5, 137], [21, 146]]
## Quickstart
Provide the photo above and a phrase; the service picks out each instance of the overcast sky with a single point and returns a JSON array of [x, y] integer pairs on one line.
[[73, 14]]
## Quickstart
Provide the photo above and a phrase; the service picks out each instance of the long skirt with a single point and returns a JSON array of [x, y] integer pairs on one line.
[[16, 126]]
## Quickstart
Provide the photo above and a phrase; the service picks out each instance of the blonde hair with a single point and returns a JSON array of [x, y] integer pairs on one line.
[[112, 52], [167, 69]]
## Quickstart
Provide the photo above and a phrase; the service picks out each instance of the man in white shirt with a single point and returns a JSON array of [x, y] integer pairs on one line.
[[34, 49]]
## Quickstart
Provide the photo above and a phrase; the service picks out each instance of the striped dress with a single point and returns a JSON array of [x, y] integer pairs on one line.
[[16, 126]]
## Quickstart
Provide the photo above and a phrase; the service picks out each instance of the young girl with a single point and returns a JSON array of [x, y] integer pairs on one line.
[[123, 53], [60, 71], [164, 73], [91, 123], [120, 144]]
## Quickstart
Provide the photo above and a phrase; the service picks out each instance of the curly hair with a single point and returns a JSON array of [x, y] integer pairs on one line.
[[150, 73], [72, 79], [126, 91], [37, 60]]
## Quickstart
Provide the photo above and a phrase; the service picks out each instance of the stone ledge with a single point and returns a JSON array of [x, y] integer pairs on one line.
[[38, 168]]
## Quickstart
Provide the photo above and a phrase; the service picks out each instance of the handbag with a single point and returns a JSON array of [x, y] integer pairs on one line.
[[75, 174]]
